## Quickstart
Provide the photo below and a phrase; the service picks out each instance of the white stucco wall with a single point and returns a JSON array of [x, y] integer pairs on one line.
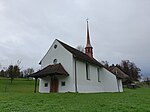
[[66, 59], [120, 87], [42, 88], [109, 81], [84, 85]]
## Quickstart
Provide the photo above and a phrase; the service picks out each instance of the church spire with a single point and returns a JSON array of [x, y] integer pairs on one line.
[[88, 48]]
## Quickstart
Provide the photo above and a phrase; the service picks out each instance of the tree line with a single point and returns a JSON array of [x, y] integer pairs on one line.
[[128, 67], [14, 71]]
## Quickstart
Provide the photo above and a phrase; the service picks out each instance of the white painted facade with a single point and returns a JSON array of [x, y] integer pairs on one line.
[[66, 59], [107, 81], [120, 87]]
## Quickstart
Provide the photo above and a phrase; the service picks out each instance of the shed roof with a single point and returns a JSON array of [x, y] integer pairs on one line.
[[56, 69]]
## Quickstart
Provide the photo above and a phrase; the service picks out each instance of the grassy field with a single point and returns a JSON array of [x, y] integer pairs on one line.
[[19, 97]]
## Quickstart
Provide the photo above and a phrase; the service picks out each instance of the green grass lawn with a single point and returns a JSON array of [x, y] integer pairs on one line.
[[19, 97]]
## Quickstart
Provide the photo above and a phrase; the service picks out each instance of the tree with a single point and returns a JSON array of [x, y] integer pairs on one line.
[[13, 71], [105, 63], [80, 48], [28, 71], [2, 73], [10, 72], [131, 70], [16, 71]]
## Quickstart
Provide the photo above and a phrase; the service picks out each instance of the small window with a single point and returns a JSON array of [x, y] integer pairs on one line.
[[62, 83], [55, 61], [46, 85], [98, 73], [55, 46], [116, 72], [87, 72]]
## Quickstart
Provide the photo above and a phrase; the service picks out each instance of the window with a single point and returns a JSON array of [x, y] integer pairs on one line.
[[55, 61], [98, 73], [87, 72], [55, 46], [116, 71], [46, 85], [62, 83]]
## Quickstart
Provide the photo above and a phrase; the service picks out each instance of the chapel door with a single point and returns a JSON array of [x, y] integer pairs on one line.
[[54, 85]]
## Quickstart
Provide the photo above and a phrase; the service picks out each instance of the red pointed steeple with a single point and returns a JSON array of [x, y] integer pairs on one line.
[[88, 48]]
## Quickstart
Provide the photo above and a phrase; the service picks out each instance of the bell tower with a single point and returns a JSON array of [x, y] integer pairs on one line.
[[88, 48]]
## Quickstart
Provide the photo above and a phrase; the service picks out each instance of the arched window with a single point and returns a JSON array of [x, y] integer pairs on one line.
[[55, 46], [87, 71], [55, 61]]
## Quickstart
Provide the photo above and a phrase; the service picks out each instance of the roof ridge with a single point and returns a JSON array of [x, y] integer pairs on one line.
[[80, 54], [70, 46]]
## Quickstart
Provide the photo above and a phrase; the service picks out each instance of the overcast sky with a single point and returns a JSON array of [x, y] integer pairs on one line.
[[119, 29]]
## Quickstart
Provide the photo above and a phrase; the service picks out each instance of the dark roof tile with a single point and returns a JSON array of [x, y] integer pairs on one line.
[[56, 69], [119, 73], [80, 55]]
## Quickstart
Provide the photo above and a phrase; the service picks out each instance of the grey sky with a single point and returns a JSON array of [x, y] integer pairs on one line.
[[119, 29]]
